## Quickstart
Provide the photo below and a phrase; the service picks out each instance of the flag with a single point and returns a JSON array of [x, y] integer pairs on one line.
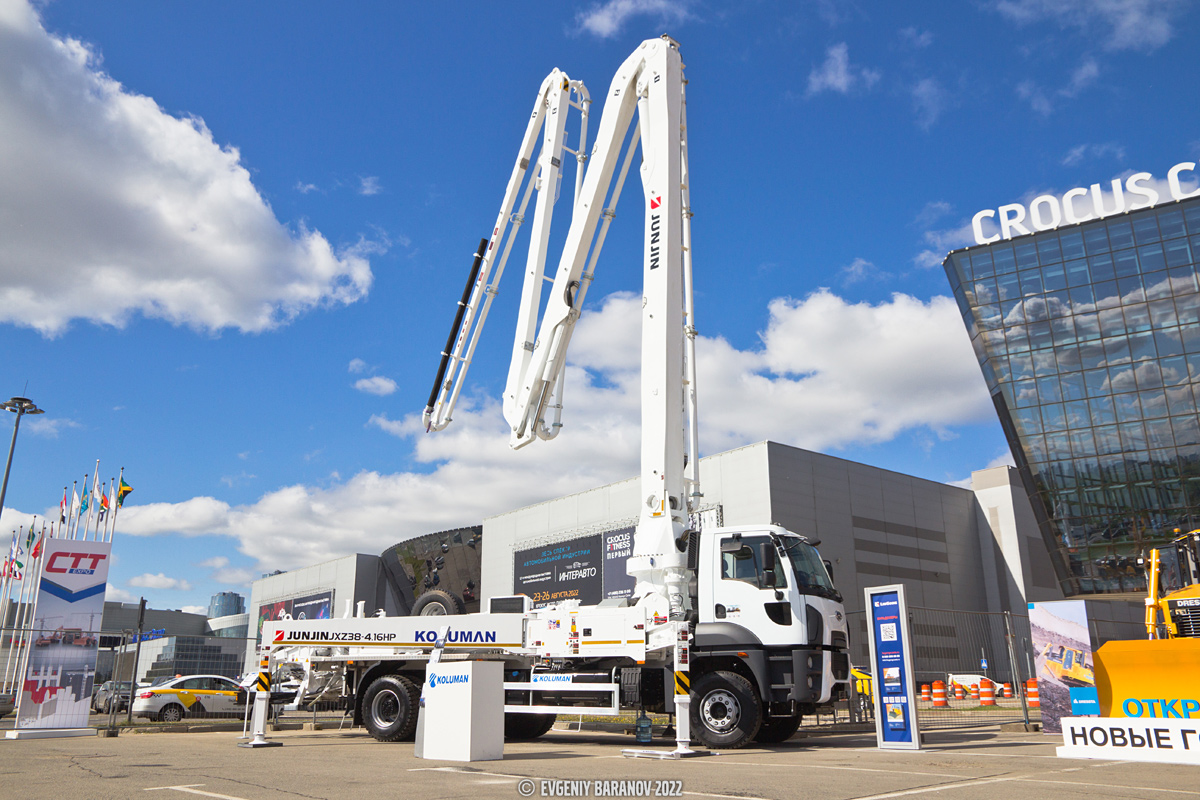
[[36, 552], [83, 502], [124, 489], [75, 507], [62, 508]]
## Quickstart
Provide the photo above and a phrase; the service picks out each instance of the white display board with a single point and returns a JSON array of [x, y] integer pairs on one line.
[[1171, 741], [463, 711]]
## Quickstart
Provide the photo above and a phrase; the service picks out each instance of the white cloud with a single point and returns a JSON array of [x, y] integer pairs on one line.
[[915, 38], [115, 594], [369, 185], [378, 385], [234, 576], [929, 98], [50, 427], [942, 241], [236, 480], [357, 365], [305, 188], [160, 581], [827, 374], [860, 270], [194, 609], [216, 562], [1083, 76], [112, 207], [606, 19], [1130, 24], [1035, 96], [837, 75], [1095, 151]]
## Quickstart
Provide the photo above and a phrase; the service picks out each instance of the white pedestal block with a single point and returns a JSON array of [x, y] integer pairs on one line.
[[463, 711]]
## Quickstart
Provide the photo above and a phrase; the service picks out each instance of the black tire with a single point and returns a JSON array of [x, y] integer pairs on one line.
[[171, 713], [726, 713], [777, 729], [389, 708], [437, 603], [524, 727]]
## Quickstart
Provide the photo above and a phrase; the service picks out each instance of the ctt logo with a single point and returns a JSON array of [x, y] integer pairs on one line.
[[76, 559], [444, 680]]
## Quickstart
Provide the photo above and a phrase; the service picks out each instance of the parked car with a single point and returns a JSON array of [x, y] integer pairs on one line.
[[189, 696], [8, 702], [108, 693]]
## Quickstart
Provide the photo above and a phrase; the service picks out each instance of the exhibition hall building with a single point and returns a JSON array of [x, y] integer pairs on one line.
[[1088, 335]]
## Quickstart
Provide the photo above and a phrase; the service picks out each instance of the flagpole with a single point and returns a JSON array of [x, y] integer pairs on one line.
[[6, 593], [22, 613], [112, 509], [88, 524], [33, 598], [120, 502], [72, 513]]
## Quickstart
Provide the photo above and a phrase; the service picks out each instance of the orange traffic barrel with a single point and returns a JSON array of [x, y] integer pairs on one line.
[[974, 691], [1031, 694], [925, 691], [987, 693], [1008, 690], [939, 695], [959, 692]]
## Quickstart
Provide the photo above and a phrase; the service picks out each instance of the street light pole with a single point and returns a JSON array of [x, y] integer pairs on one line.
[[20, 406]]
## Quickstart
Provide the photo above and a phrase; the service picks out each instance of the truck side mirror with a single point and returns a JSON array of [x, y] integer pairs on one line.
[[829, 568], [767, 551]]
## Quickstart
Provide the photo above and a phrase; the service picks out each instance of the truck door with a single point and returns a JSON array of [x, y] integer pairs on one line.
[[751, 589]]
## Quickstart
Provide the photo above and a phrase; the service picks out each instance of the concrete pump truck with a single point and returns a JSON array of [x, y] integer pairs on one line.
[[738, 631]]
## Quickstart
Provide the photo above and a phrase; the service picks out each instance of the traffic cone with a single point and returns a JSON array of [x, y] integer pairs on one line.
[[959, 692], [987, 693], [1031, 694], [925, 692], [939, 695], [974, 691], [1008, 690]]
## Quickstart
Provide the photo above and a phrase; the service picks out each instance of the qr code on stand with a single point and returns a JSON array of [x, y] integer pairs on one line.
[[887, 632]]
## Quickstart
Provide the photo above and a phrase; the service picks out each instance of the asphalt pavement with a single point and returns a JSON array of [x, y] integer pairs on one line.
[[962, 765]]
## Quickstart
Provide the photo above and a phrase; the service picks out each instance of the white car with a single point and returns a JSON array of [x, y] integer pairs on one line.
[[190, 696]]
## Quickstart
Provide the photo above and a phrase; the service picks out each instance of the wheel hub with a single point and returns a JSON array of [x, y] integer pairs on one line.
[[433, 610], [720, 711], [385, 708]]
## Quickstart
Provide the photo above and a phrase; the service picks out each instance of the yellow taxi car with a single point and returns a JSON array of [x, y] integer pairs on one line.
[[190, 696]]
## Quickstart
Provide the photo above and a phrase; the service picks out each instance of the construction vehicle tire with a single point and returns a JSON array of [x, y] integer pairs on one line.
[[389, 708], [726, 713], [777, 729], [437, 603], [523, 727]]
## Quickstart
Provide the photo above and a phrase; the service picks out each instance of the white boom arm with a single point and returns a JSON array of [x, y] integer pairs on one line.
[[651, 83]]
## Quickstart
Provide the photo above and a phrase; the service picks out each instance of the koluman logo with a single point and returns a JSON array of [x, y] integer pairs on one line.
[[443, 680]]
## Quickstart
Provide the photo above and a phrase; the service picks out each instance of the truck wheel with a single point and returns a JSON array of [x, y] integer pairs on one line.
[[389, 708], [523, 727], [436, 603], [777, 729], [725, 710]]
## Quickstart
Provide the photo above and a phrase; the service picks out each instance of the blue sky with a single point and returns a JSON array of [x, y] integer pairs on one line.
[[233, 237]]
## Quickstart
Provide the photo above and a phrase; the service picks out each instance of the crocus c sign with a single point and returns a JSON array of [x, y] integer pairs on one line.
[[1047, 211]]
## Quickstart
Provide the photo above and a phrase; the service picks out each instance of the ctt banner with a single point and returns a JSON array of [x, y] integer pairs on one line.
[[61, 665], [891, 661]]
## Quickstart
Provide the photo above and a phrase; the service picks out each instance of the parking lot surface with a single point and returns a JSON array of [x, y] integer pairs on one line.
[[962, 765]]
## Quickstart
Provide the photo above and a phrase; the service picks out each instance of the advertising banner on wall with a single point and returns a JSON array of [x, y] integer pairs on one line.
[[568, 570], [313, 606], [891, 664], [1063, 661], [57, 688]]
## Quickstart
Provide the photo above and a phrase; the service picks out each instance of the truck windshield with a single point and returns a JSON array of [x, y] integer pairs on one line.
[[811, 576]]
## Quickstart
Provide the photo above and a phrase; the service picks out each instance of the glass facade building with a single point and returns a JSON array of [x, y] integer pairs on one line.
[[224, 604], [1089, 340]]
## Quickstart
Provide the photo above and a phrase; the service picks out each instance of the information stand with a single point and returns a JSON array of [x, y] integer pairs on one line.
[[893, 687], [461, 715]]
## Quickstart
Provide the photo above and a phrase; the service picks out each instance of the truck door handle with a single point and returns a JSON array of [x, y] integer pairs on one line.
[[720, 611]]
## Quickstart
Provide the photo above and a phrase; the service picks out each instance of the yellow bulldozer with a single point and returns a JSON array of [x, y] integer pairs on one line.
[[1159, 677]]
